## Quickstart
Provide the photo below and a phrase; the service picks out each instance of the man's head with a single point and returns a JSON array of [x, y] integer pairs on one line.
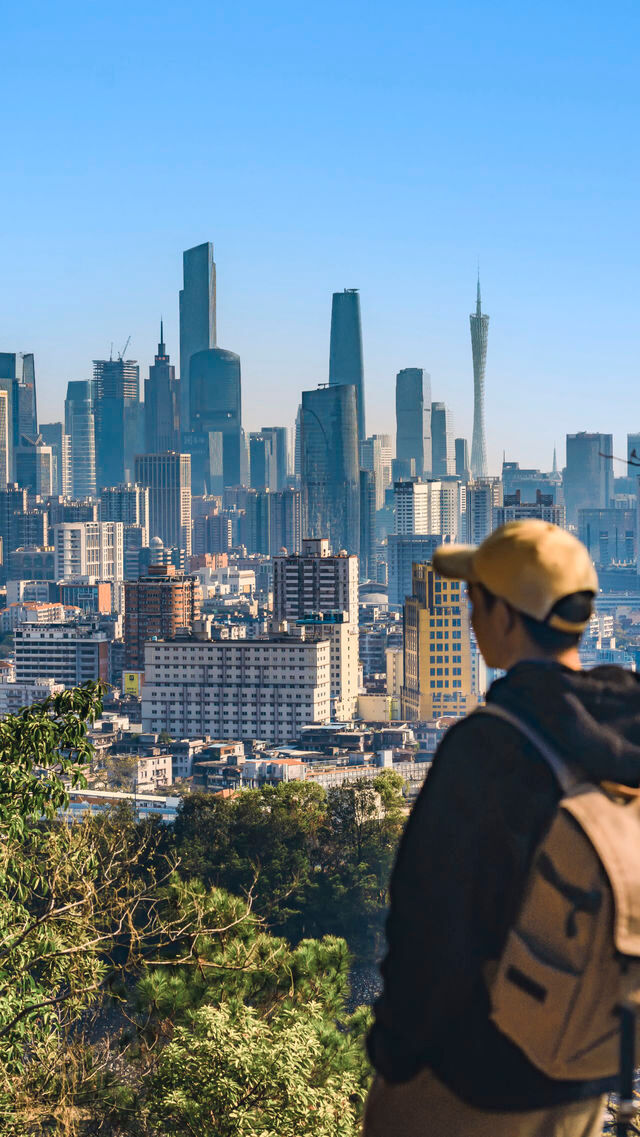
[[531, 587]]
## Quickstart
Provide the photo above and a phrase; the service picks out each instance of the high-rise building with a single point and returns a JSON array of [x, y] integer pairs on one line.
[[129, 504], [588, 475], [34, 465], [89, 548], [417, 507], [262, 462], [286, 521], [168, 477], [4, 439], [197, 316], [462, 458], [443, 456], [479, 336], [53, 435], [330, 466], [161, 403], [345, 351], [319, 592], [482, 497], [280, 450], [27, 397], [119, 419], [216, 410], [316, 581], [413, 421], [162, 603], [453, 508], [79, 425], [438, 677], [403, 551], [9, 382], [367, 525]]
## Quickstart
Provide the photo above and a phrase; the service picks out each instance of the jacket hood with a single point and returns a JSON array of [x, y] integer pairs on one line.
[[592, 718]]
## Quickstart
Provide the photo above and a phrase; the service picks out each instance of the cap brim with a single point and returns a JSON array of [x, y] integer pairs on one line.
[[455, 561]]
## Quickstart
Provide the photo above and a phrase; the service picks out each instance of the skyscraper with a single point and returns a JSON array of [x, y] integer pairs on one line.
[[34, 465], [345, 351], [168, 477], [161, 404], [443, 460], [197, 316], [588, 476], [280, 449], [262, 461], [4, 439], [119, 419], [413, 421], [216, 409], [462, 458], [53, 434], [479, 336], [79, 426], [330, 466]]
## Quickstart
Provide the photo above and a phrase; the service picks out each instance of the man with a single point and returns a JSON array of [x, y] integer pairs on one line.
[[444, 1069]]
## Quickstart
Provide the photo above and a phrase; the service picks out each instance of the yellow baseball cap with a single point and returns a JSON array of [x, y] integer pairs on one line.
[[531, 564]]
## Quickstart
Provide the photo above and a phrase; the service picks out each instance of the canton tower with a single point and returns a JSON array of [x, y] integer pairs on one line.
[[479, 335]]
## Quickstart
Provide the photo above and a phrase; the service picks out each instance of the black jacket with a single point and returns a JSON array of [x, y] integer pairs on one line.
[[460, 871]]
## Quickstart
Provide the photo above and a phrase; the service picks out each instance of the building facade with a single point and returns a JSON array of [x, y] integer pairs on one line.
[[168, 479], [330, 466], [79, 426], [70, 654], [438, 678], [266, 689], [197, 315], [413, 422], [161, 604], [346, 366], [89, 548], [161, 404]]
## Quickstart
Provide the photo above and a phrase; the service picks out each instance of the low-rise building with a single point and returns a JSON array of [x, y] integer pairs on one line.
[[14, 696]]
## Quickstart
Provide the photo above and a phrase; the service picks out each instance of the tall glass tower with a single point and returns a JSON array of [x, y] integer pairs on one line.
[[197, 315], [330, 466], [345, 350], [479, 336], [413, 420]]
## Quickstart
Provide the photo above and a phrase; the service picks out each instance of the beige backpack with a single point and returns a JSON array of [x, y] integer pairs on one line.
[[571, 962]]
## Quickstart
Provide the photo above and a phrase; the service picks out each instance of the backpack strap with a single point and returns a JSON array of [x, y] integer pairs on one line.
[[566, 776]]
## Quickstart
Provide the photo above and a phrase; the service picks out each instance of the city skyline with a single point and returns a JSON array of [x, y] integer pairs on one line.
[[338, 162]]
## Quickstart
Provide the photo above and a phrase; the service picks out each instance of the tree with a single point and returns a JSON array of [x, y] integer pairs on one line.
[[121, 980]]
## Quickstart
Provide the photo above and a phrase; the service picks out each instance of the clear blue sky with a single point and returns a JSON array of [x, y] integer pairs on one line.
[[322, 146]]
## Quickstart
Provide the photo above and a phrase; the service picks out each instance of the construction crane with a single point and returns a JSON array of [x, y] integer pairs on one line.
[[121, 353]]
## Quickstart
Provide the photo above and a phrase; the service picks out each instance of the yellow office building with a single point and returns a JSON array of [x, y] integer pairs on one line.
[[437, 648]]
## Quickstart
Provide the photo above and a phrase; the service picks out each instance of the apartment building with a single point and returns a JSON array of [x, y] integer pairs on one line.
[[267, 689], [438, 677]]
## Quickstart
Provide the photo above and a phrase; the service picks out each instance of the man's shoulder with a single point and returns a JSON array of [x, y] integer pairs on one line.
[[485, 739]]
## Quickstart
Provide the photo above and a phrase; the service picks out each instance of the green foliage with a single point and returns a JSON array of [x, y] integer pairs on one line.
[[139, 1001], [320, 861], [236, 1074]]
